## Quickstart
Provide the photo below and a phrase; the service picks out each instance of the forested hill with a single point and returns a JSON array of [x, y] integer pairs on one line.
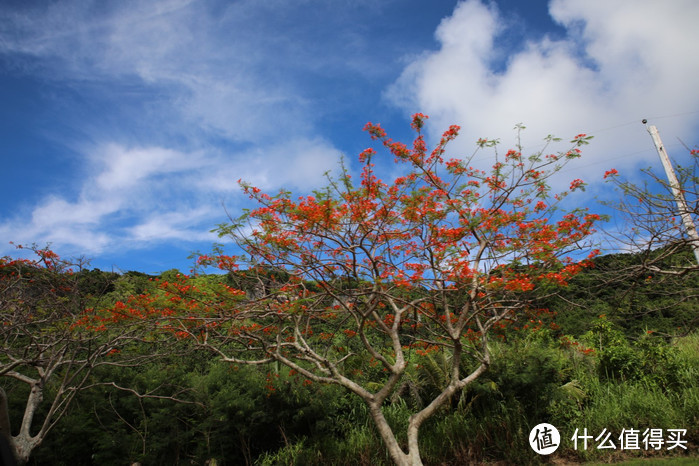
[[618, 286], [618, 348], [631, 294]]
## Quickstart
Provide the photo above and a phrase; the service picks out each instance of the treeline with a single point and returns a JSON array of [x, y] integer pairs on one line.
[[617, 349]]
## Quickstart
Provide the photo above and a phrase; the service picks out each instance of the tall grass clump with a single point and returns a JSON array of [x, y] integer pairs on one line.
[[660, 390]]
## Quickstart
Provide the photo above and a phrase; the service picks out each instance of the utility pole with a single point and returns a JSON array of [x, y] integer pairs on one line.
[[676, 190]]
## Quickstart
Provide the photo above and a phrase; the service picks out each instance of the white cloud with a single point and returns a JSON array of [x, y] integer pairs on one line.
[[125, 184], [55, 211], [202, 72], [125, 168], [239, 109], [140, 195], [634, 35], [177, 225], [620, 62], [295, 164], [210, 68], [83, 38]]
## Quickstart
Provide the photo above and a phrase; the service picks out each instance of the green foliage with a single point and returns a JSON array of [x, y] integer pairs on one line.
[[637, 376], [621, 405], [130, 284], [96, 282], [249, 415], [636, 300], [648, 359], [516, 393]]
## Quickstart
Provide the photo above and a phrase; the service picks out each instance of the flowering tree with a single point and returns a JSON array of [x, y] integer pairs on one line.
[[51, 343], [353, 285], [652, 220]]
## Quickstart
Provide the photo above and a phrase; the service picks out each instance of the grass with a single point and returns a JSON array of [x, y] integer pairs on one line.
[[681, 461], [490, 420]]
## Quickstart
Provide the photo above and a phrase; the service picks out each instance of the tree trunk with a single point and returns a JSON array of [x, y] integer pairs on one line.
[[418, 418], [397, 454], [4, 416], [7, 450], [24, 443]]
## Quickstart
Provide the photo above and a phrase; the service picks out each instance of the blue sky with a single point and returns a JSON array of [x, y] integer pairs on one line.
[[126, 124]]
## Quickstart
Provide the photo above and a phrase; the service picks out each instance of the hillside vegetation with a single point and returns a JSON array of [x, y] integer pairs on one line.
[[617, 349]]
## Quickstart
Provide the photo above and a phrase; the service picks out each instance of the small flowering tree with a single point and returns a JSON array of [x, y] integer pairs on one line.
[[51, 343], [353, 285]]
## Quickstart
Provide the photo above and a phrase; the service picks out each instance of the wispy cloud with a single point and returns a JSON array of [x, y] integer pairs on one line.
[[212, 114], [147, 194]]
